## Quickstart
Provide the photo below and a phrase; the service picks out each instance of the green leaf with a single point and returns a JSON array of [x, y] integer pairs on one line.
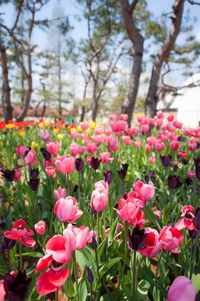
[[105, 268], [112, 232], [196, 282], [143, 287], [31, 254]]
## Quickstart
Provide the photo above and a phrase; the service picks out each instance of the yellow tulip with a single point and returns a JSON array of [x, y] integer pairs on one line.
[[10, 126], [60, 137], [34, 145], [92, 124]]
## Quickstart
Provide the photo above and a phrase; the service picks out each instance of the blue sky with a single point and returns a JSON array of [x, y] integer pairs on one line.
[[71, 8]]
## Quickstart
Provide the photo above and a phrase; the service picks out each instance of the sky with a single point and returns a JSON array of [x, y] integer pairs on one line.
[[71, 9]]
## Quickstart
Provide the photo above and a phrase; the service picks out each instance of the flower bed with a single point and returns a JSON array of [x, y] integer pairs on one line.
[[100, 211]]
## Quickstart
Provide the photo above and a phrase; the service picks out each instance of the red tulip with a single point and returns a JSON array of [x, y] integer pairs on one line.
[[40, 227], [152, 245], [20, 233]]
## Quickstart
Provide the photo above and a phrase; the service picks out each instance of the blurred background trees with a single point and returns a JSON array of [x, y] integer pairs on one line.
[[99, 57]]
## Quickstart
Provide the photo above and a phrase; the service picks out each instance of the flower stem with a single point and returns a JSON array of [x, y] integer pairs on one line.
[[125, 244], [134, 277], [20, 257], [56, 296], [75, 274]]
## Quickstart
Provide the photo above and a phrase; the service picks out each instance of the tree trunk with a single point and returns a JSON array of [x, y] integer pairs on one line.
[[24, 111], [162, 56], [82, 113], [6, 102], [129, 103], [95, 106], [152, 96], [137, 42]]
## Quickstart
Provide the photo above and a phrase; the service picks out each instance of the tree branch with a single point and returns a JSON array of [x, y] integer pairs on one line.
[[193, 2], [132, 6]]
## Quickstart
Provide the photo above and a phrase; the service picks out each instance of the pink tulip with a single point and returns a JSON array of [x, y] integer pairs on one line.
[[84, 125], [76, 237], [129, 212], [159, 146], [145, 128], [21, 150], [60, 193], [31, 157], [152, 244], [137, 144], [65, 164], [91, 147], [2, 290], [171, 238], [74, 134], [76, 149], [174, 145], [181, 289], [105, 157], [147, 191], [50, 171], [113, 144], [18, 174], [99, 200], [177, 124], [67, 210], [170, 118], [126, 140], [152, 160], [148, 148], [56, 247], [40, 227], [53, 147]]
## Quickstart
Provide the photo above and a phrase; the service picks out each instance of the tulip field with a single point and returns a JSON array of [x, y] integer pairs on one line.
[[100, 211]]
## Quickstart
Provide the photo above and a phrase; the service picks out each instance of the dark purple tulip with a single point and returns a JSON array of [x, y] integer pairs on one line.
[[26, 152], [136, 240], [197, 218], [94, 243], [197, 166], [8, 174], [193, 233], [45, 153], [95, 162], [185, 161], [34, 173], [123, 172], [166, 160], [125, 195], [7, 244], [34, 184], [2, 223], [181, 138], [108, 176], [173, 182], [188, 181], [79, 164], [16, 287], [75, 188], [149, 176], [90, 275]]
